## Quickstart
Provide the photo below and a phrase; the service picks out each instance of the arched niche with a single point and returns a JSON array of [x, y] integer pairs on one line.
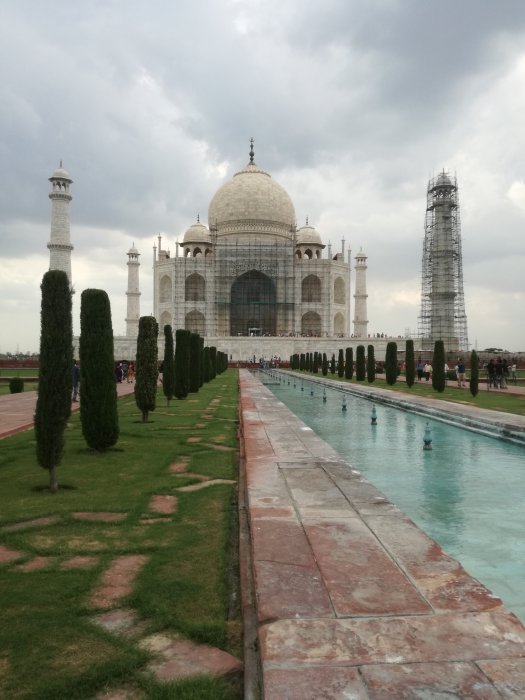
[[253, 305], [165, 320], [165, 290], [311, 289], [339, 290], [194, 288], [339, 324], [195, 322], [311, 323]]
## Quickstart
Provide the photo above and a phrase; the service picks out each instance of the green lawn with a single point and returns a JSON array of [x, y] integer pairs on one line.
[[494, 400], [49, 647]]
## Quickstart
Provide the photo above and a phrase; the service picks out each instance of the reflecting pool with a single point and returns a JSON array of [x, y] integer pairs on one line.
[[467, 492]]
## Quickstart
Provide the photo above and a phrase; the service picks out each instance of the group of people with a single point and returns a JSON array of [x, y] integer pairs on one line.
[[499, 373], [124, 372], [424, 371]]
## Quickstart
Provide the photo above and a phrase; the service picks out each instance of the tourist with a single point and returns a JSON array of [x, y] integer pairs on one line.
[[513, 375], [491, 373], [76, 380], [419, 369], [427, 371], [499, 373], [461, 372], [118, 373]]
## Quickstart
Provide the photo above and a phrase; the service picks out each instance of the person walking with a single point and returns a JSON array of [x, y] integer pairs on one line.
[[427, 371], [461, 373], [75, 380]]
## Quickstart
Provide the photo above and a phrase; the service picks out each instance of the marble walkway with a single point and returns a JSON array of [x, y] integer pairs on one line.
[[352, 600]]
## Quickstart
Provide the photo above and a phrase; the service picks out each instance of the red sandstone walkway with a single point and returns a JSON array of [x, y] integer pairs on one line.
[[352, 599], [17, 410]]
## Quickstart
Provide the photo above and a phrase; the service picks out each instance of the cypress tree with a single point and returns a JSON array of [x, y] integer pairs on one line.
[[315, 368], [193, 384], [391, 363], [324, 365], [349, 363], [213, 362], [474, 373], [371, 365], [302, 361], [168, 366], [206, 364], [53, 406], [332, 364], [438, 367], [98, 408], [201, 361], [146, 366], [182, 363], [410, 362], [360, 363], [341, 363]]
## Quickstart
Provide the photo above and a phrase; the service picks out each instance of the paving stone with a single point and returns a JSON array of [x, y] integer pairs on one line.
[[79, 562], [117, 580], [428, 680], [204, 485], [412, 639], [103, 516], [28, 524], [120, 694], [328, 683], [192, 440], [181, 658], [219, 448], [154, 521], [178, 467], [314, 489], [35, 564], [360, 576], [508, 676], [123, 622], [8, 555], [163, 504]]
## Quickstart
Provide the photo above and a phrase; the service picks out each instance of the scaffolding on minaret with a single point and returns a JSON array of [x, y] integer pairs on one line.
[[442, 315]]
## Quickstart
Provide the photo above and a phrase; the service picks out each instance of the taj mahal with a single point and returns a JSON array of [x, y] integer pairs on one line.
[[252, 282]]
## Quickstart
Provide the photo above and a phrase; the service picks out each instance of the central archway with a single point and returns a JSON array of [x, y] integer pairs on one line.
[[253, 305]]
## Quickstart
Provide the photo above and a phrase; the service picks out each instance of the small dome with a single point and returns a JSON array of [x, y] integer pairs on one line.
[[61, 174], [252, 202], [133, 250], [197, 233], [443, 179], [308, 235]]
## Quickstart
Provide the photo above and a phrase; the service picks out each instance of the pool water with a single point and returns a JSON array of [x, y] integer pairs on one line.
[[467, 493]]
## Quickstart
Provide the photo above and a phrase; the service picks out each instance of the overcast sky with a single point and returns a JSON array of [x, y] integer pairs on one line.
[[353, 105]]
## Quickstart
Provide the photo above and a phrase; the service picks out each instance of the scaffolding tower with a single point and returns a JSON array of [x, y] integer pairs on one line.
[[442, 314]]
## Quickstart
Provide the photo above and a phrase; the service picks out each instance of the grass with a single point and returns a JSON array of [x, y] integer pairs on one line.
[[49, 646], [493, 400]]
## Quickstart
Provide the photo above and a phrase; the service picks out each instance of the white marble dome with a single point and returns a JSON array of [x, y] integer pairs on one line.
[[252, 202], [61, 174], [308, 235], [197, 233]]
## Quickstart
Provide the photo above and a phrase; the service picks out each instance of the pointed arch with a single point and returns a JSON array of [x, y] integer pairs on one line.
[[195, 322], [339, 290], [195, 288], [311, 323], [339, 324], [311, 289], [166, 288]]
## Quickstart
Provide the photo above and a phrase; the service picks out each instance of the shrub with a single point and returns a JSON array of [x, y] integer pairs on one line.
[[349, 363], [474, 373], [16, 385], [438, 366], [391, 369], [194, 361], [182, 362], [360, 363], [371, 365], [340, 363], [324, 365], [53, 406], [168, 365], [98, 407], [410, 362], [146, 366]]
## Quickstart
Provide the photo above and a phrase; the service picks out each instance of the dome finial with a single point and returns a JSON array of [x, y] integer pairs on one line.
[[252, 154], [307, 221], [198, 218]]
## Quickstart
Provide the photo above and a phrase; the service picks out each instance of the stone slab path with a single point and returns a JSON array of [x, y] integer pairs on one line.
[[352, 599]]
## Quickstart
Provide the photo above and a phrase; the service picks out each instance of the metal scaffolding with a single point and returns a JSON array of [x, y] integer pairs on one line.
[[442, 314]]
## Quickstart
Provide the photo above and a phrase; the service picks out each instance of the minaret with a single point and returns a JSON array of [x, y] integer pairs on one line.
[[360, 296], [442, 299], [133, 293], [60, 241]]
